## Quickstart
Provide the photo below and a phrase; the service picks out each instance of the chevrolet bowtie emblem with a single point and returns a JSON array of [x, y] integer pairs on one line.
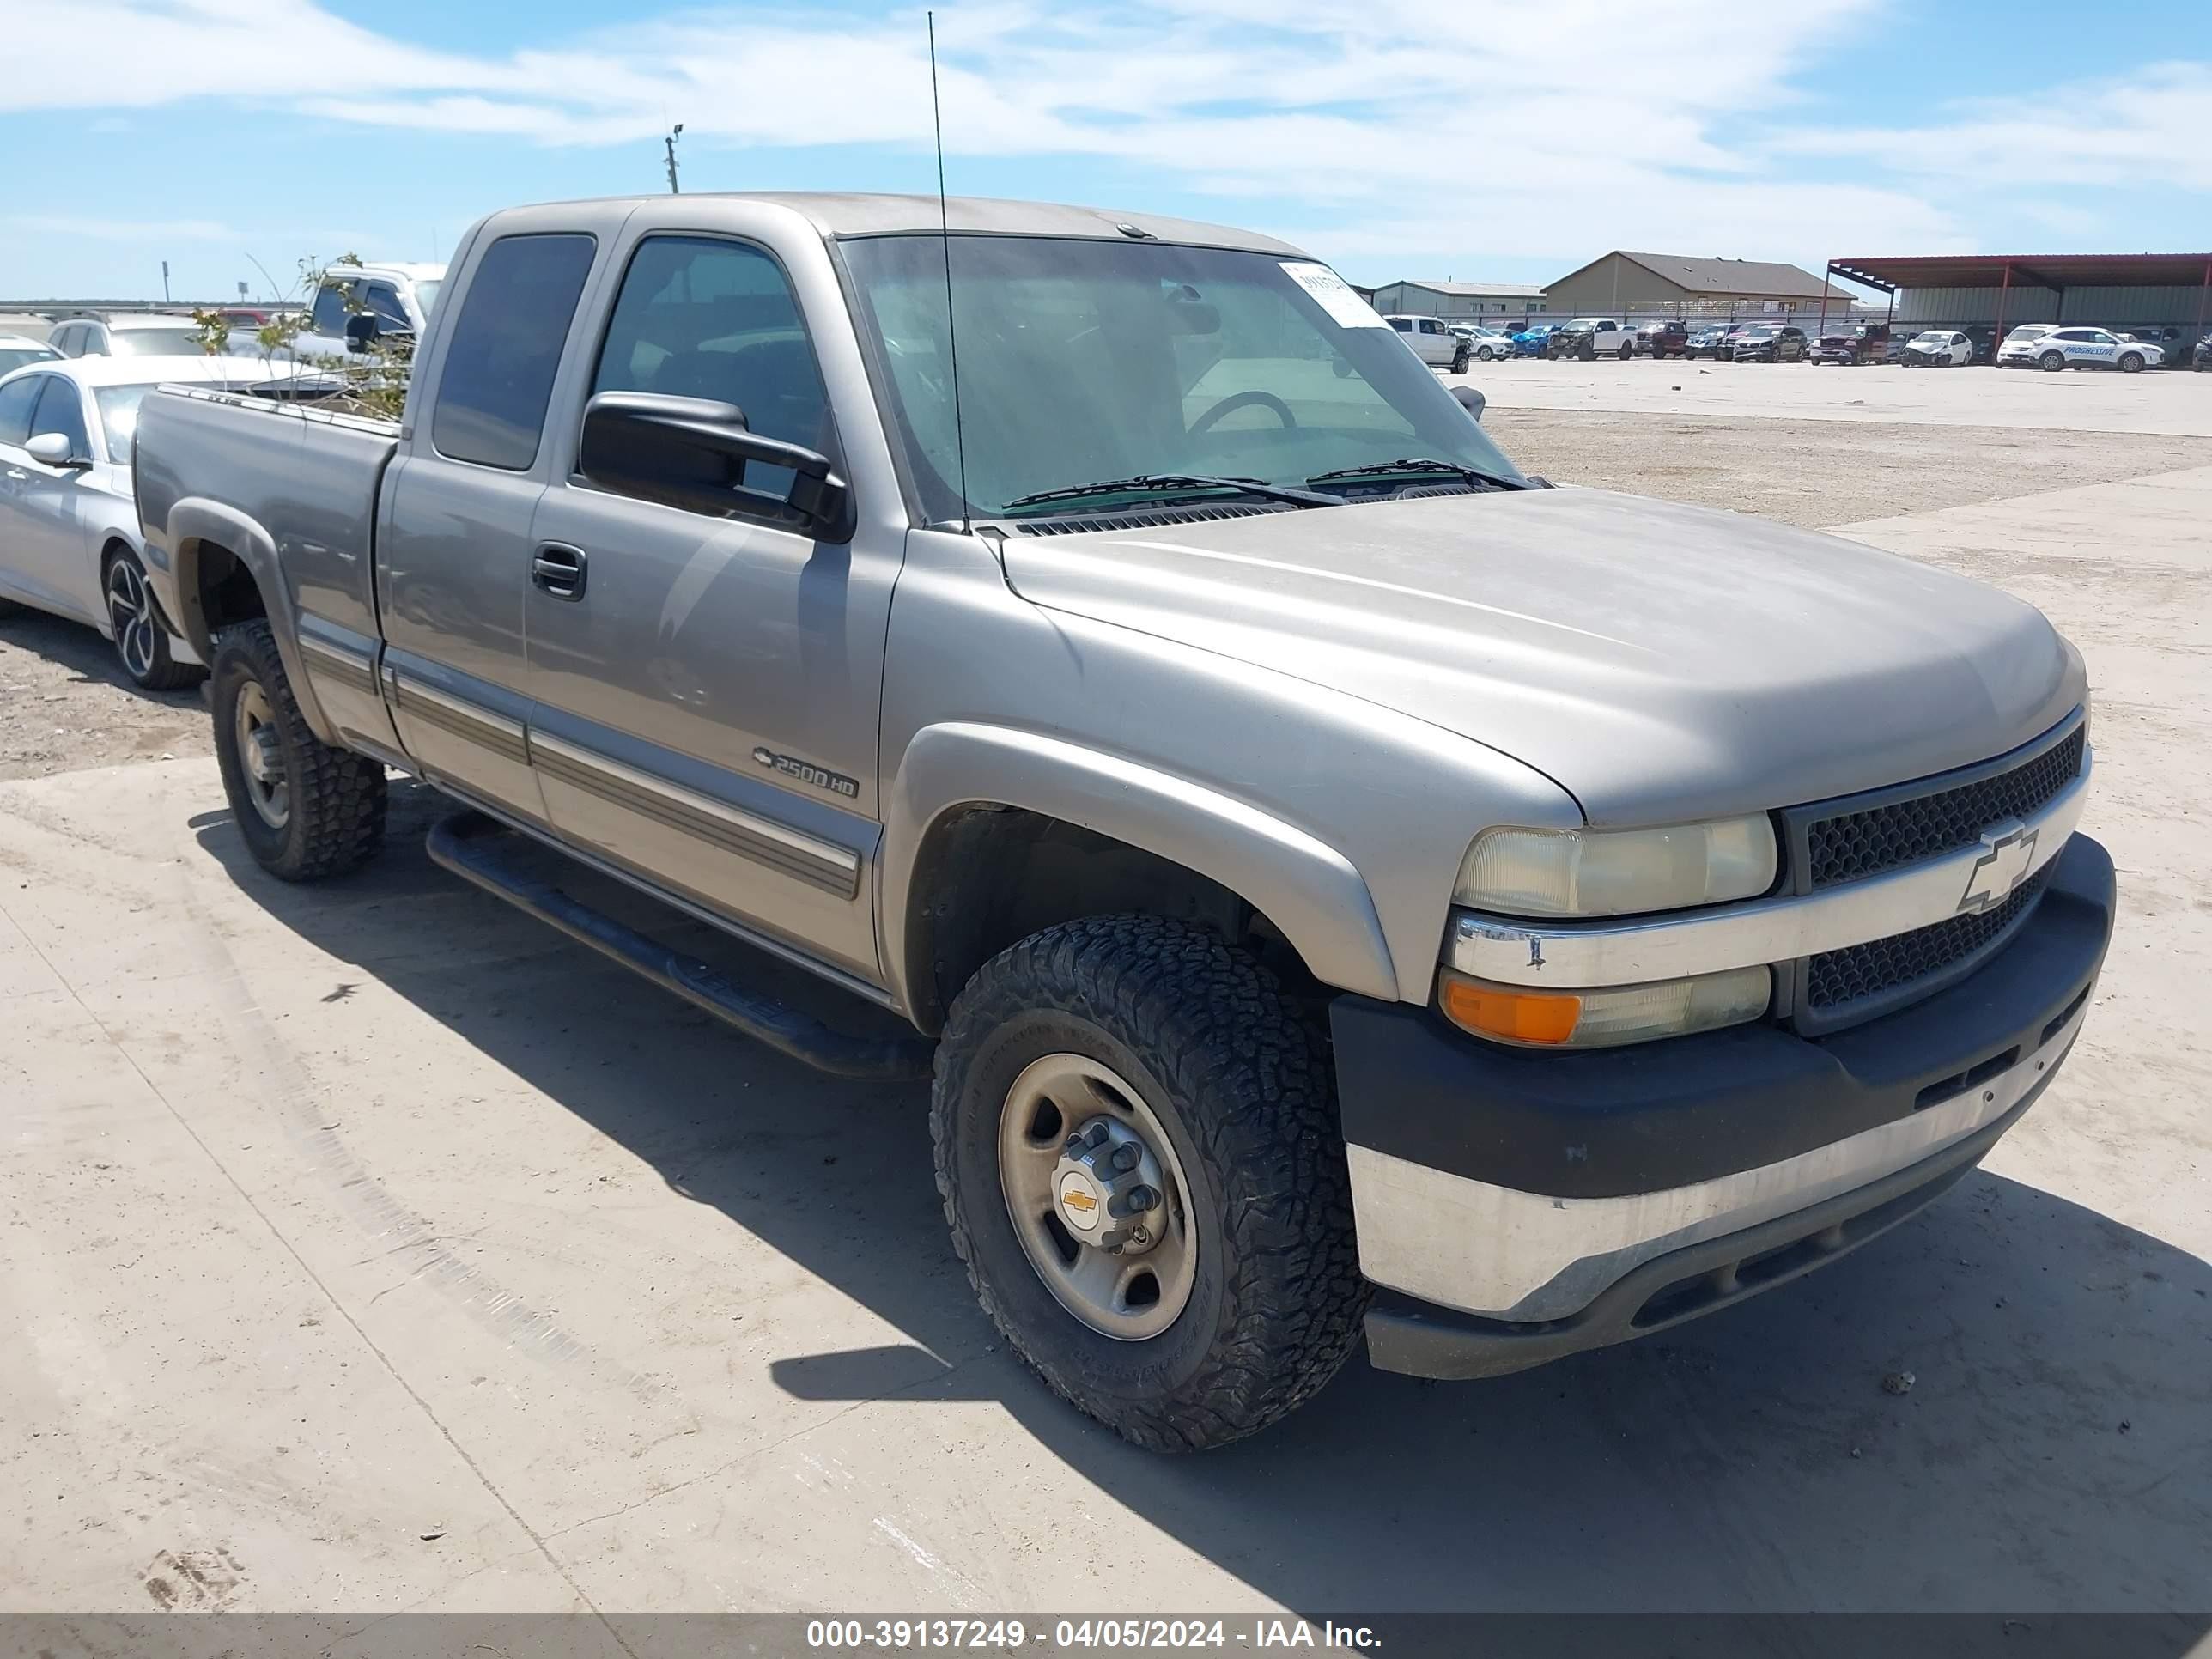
[[2003, 866]]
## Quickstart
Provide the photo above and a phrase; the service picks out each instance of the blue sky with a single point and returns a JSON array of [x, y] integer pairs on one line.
[[1506, 139]]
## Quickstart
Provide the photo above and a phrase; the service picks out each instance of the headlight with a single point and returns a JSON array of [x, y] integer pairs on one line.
[[1601, 1017], [1615, 873]]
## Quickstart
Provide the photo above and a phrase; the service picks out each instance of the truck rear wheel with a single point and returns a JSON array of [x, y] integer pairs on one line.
[[307, 810], [1138, 1148]]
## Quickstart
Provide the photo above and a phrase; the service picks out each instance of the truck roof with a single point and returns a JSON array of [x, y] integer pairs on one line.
[[841, 214]]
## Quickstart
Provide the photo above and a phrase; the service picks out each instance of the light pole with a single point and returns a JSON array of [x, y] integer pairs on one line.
[[671, 142]]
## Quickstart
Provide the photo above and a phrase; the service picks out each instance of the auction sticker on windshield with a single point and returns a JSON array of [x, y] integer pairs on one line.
[[1336, 296]]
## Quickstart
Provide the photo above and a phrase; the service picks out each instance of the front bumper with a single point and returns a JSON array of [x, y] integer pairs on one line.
[[1516, 1207]]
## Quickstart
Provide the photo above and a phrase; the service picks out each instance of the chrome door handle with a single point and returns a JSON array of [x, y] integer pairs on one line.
[[560, 570]]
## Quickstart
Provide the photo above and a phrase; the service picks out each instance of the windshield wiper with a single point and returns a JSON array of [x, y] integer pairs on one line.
[[1418, 464], [1159, 482]]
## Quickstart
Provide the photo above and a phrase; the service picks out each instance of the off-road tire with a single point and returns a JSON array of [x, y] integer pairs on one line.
[[335, 821], [1243, 1088], [1459, 360]]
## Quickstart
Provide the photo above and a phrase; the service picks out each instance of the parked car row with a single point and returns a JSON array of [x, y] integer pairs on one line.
[[2048, 346]]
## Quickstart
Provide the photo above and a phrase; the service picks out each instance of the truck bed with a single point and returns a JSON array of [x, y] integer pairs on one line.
[[237, 469]]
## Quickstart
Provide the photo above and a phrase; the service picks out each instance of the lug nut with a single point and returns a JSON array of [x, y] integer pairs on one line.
[[1142, 1199], [1126, 1154], [1098, 1136]]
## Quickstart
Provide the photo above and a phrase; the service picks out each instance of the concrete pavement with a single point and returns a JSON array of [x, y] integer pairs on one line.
[[368, 1247]]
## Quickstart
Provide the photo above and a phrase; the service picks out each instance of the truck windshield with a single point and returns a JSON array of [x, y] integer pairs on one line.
[[1082, 360]]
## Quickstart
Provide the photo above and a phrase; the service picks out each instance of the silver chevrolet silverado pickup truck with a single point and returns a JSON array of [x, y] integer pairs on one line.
[[1342, 887]]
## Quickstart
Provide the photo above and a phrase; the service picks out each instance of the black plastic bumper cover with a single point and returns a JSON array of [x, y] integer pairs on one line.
[[1616, 1122], [1613, 1123]]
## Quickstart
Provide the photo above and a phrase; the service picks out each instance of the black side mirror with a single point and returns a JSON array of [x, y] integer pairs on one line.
[[361, 331], [1470, 400], [694, 453]]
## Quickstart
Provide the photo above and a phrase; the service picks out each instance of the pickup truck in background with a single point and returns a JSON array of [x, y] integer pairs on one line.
[[1433, 342], [1670, 338], [1336, 883], [1589, 337], [356, 302], [1851, 344]]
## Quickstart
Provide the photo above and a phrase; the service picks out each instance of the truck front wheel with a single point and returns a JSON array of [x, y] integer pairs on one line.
[[307, 810], [1137, 1145]]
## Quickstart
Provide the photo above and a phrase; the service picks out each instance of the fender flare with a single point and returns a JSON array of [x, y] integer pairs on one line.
[[194, 520], [1308, 888]]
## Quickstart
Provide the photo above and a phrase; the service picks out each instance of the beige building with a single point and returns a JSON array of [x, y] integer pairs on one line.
[[1661, 283], [1457, 299]]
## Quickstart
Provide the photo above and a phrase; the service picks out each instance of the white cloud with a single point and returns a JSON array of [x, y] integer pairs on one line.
[[2152, 127], [1459, 125]]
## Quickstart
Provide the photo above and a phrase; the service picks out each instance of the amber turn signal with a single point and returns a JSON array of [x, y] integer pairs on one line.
[[1516, 1016]]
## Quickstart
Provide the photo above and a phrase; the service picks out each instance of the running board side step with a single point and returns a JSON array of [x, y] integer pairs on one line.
[[468, 844]]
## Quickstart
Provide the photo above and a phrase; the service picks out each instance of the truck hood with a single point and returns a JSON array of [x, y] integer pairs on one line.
[[1659, 662]]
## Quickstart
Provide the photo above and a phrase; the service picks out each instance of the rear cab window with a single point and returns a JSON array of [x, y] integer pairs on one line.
[[329, 314], [506, 348]]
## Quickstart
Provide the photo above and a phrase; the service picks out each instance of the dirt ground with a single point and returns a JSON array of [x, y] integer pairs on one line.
[[1820, 472], [65, 704]]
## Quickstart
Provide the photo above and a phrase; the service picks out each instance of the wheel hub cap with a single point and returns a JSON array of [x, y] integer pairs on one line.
[[1097, 1196], [1106, 1184], [261, 757]]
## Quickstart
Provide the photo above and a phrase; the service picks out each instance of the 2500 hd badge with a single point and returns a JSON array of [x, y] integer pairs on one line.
[[791, 766]]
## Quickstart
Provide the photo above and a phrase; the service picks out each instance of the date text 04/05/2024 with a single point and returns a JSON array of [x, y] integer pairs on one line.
[[1125, 1635]]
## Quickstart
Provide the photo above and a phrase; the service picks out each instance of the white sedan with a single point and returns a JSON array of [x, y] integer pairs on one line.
[[69, 526], [2079, 348], [1937, 348], [1485, 343], [17, 349]]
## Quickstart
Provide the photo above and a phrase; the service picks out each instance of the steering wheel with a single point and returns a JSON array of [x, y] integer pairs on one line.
[[1237, 400]]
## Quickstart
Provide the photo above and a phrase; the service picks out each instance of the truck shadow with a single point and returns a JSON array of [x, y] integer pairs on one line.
[[2048, 1454], [80, 648]]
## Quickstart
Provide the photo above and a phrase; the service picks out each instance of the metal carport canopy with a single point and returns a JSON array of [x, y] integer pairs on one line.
[[2053, 271]]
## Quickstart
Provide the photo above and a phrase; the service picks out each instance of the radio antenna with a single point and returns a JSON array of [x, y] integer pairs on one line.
[[951, 332]]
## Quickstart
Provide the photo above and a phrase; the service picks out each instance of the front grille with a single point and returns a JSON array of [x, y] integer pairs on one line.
[[1835, 979], [1856, 845]]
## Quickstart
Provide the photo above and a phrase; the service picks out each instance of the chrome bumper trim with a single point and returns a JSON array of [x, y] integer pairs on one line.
[[1508, 1255], [1779, 929]]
